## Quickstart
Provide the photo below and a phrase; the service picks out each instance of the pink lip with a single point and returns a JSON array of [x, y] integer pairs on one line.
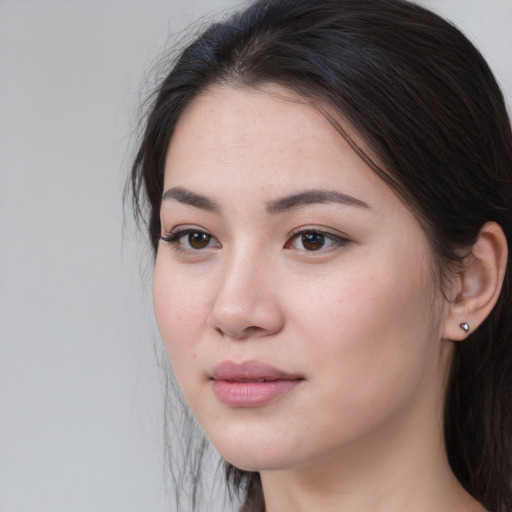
[[250, 384]]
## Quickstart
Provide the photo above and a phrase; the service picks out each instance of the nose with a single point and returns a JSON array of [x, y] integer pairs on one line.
[[246, 304]]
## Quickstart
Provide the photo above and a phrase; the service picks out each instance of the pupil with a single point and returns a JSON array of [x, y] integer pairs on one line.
[[313, 241], [198, 240]]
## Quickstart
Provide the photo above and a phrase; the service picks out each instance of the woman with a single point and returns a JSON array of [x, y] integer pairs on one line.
[[329, 204]]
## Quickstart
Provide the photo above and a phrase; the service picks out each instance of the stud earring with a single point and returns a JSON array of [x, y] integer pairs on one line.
[[464, 326]]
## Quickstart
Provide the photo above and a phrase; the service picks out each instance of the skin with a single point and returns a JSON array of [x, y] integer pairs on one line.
[[358, 318]]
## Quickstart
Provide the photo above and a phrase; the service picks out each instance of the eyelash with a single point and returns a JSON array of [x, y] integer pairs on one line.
[[174, 238], [336, 240]]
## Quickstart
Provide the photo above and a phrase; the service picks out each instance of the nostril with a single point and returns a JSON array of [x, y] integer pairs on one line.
[[247, 332], [252, 330]]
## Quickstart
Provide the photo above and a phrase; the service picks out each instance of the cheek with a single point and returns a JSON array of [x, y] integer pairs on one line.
[[364, 300], [370, 334], [181, 308]]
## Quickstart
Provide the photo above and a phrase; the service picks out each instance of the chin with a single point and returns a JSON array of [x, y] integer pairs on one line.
[[258, 462], [256, 455]]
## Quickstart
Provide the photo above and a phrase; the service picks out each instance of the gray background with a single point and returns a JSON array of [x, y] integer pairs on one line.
[[80, 382]]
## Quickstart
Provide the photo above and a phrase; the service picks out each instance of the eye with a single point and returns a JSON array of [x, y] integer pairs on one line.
[[196, 240], [190, 239], [312, 241]]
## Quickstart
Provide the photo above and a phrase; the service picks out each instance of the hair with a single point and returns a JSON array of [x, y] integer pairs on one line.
[[424, 102]]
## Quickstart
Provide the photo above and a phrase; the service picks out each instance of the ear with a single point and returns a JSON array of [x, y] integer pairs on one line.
[[477, 288]]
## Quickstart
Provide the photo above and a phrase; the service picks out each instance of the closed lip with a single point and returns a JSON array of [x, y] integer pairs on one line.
[[251, 383], [250, 371]]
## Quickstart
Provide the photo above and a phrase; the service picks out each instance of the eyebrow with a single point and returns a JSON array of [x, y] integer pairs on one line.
[[313, 197], [191, 198], [276, 206]]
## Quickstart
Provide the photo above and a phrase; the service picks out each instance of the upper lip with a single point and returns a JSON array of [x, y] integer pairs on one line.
[[250, 371]]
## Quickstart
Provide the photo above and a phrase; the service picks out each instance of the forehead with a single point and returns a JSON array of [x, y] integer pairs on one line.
[[245, 118], [244, 140]]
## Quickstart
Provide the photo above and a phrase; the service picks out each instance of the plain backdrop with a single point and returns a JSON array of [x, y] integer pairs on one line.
[[81, 393]]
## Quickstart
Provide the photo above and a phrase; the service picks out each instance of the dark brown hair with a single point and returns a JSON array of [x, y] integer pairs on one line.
[[424, 101]]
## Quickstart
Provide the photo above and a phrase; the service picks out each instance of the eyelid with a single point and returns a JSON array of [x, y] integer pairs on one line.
[[317, 229], [183, 229], [338, 238], [173, 238]]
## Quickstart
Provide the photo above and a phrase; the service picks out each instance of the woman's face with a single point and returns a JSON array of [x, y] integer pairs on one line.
[[293, 289]]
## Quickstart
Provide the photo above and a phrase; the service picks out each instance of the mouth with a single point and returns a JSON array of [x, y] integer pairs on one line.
[[251, 383], [264, 379]]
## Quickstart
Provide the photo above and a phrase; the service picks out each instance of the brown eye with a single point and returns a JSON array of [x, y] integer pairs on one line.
[[316, 241], [191, 240], [313, 241], [197, 240]]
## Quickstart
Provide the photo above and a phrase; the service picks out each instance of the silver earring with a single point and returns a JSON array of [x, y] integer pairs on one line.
[[464, 326]]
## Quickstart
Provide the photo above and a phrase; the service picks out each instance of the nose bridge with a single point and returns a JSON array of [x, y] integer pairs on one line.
[[246, 304]]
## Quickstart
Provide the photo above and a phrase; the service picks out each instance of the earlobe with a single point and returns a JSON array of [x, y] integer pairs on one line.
[[479, 283]]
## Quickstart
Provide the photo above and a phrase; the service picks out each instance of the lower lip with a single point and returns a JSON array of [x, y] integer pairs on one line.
[[251, 394]]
